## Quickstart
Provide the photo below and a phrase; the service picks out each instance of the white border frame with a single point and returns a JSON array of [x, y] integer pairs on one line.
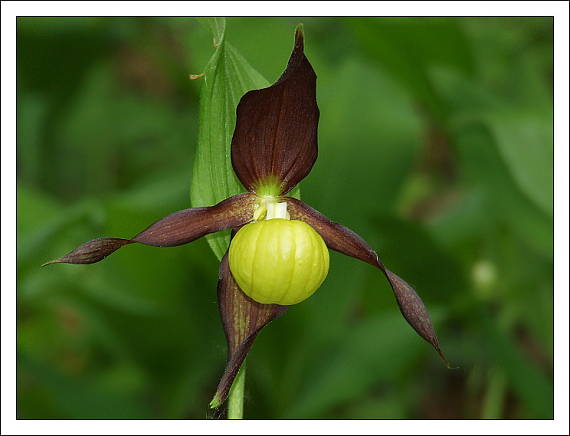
[[10, 10]]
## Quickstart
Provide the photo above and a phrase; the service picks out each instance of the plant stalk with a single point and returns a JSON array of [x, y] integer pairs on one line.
[[235, 398]]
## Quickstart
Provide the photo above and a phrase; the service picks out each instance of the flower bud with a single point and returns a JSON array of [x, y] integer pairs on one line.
[[278, 261]]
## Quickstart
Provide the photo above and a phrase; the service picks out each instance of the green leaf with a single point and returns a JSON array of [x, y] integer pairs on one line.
[[227, 77], [407, 49], [527, 380], [524, 139], [520, 122], [483, 166], [375, 158], [77, 398], [369, 365], [217, 26]]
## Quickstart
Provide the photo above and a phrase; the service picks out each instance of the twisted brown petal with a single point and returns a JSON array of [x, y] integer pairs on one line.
[[275, 139], [179, 228], [243, 319], [344, 240]]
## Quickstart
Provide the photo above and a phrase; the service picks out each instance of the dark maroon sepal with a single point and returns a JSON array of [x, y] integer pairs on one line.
[[275, 139], [243, 318]]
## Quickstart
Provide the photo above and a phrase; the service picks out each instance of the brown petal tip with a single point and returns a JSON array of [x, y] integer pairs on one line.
[[91, 251], [51, 262], [299, 36], [415, 312]]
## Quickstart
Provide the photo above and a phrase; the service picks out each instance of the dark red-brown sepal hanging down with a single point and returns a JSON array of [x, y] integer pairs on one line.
[[275, 139], [243, 319]]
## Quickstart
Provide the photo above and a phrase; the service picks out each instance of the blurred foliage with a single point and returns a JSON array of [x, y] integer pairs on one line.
[[435, 146]]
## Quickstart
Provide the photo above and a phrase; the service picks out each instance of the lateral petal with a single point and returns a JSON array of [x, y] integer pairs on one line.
[[275, 139], [178, 228], [414, 311], [344, 240]]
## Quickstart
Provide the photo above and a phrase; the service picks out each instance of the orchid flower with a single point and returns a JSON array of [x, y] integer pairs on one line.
[[278, 255]]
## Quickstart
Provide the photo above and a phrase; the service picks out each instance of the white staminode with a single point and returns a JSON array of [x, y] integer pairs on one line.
[[277, 210]]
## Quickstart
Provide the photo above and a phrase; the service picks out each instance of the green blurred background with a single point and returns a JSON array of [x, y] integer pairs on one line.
[[435, 145]]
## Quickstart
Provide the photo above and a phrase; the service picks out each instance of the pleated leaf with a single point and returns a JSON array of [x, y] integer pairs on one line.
[[227, 77]]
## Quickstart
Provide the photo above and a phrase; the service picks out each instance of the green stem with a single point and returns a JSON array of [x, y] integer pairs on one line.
[[494, 398], [235, 398]]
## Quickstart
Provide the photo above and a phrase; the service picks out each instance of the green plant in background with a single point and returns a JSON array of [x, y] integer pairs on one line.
[[446, 120], [278, 256]]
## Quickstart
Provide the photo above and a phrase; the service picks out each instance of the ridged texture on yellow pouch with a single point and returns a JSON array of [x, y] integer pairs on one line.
[[278, 261]]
